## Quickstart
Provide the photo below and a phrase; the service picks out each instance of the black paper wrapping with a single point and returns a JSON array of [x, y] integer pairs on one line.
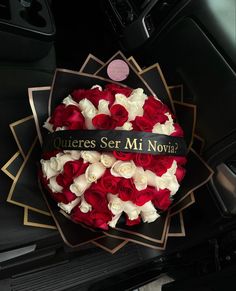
[[43, 100]]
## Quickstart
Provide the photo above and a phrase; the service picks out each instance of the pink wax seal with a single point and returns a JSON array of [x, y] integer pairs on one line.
[[118, 70]]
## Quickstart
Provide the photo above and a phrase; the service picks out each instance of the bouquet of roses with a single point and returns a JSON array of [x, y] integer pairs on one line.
[[112, 152]]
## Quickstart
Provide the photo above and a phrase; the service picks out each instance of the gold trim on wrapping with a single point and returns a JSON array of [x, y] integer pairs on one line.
[[89, 57], [31, 101], [146, 244], [75, 73], [9, 198], [12, 125], [134, 63], [202, 141], [157, 66], [35, 224], [130, 66], [194, 120], [186, 205], [111, 251], [147, 237], [4, 167], [181, 90], [81, 224], [178, 234]]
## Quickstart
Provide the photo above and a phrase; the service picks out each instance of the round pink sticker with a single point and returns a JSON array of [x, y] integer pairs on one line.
[[118, 70]]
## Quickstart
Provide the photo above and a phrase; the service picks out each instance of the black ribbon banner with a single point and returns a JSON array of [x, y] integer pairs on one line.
[[115, 140]]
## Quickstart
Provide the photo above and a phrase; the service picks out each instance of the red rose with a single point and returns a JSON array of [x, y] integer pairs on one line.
[[159, 169], [96, 197], [132, 222], [178, 131], [71, 170], [57, 116], [59, 197], [73, 118], [103, 121], [100, 219], [143, 160], [162, 199], [155, 110], [114, 89], [66, 196], [109, 183], [79, 216], [142, 123], [93, 95], [144, 196], [119, 114], [180, 173], [123, 156], [69, 196], [75, 168], [161, 164], [127, 190], [180, 160]]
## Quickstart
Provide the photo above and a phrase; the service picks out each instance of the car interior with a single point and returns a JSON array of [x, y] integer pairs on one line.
[[194, 42]]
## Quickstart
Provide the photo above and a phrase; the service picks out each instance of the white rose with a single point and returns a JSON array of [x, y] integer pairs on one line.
[[166, 128], [54, 186], [62, 159], [103, 107], [97, 86], [123, 169], [61, 128], [126, 126], [173, 168], [68, 207], [131, 210], [114, 220], [94, 172], [90, 156], [75, 155], [140, 179], [135, 110], [107, 160], [151, 178], [80, 185], [168, 180], [138, 96], [122, 100], [115, 204], [48, 172], [70, 101], [89, 111], [48, 125], [85, 207], [149, 212]]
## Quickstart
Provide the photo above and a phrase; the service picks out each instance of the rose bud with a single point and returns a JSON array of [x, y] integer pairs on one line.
[[107, 160], [123, 169], [94, 172], [68, 207], [84, 205], [54, 186], [149, 212], [90, 156], [140, 179], [80, 185]]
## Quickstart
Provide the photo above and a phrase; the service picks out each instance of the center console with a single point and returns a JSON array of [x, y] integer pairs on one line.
[[137, 21]]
